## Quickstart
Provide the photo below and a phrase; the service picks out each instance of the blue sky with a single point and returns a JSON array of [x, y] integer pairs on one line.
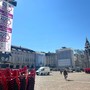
[[47, 25]]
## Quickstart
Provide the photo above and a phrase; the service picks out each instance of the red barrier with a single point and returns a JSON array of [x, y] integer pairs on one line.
[[18, 79], [87, 70]]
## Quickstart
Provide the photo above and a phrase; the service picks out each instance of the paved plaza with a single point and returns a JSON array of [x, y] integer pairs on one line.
[[76, 81]]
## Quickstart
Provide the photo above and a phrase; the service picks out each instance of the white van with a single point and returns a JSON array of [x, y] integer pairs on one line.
[[43, 71]]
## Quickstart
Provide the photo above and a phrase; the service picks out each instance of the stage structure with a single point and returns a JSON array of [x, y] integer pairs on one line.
[[6, 21]]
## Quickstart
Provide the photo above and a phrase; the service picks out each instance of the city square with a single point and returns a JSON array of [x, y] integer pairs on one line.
[[56, 81], [49, 34]]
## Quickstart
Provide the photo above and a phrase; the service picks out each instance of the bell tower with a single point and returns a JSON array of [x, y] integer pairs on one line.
[[87, 52]]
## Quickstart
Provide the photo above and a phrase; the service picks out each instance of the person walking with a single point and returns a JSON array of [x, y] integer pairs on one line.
[[61, 71], [65, 73]]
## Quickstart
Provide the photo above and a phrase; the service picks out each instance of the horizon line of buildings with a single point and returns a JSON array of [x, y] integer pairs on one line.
[[62, 58], [20, 57]]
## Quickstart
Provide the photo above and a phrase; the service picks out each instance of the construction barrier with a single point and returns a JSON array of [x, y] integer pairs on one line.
[[17, 79]]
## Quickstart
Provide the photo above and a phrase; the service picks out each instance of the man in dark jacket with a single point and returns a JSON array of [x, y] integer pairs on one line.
[[65, 73]]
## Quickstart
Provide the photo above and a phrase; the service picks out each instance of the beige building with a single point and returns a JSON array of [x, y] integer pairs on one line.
[[51, 59], [40, 59], [22, 56]]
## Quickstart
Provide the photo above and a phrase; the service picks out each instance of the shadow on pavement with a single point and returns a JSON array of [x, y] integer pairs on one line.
[[70, 80]]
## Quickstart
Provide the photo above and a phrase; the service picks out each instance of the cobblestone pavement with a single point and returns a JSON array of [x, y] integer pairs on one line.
[[76, 81]]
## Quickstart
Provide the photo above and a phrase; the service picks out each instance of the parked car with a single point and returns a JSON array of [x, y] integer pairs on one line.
[[70, 70], [43, 71]]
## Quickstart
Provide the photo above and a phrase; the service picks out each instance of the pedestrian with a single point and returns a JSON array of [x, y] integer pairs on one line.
[[60, 71], [65, 73]]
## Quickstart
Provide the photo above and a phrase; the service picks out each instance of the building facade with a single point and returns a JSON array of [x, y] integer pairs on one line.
[[19, 57], [65, 58], [51, 59], [40, 59], [79, 58]]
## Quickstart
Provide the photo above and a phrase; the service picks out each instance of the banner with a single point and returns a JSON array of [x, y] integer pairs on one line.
[[6, 20]]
